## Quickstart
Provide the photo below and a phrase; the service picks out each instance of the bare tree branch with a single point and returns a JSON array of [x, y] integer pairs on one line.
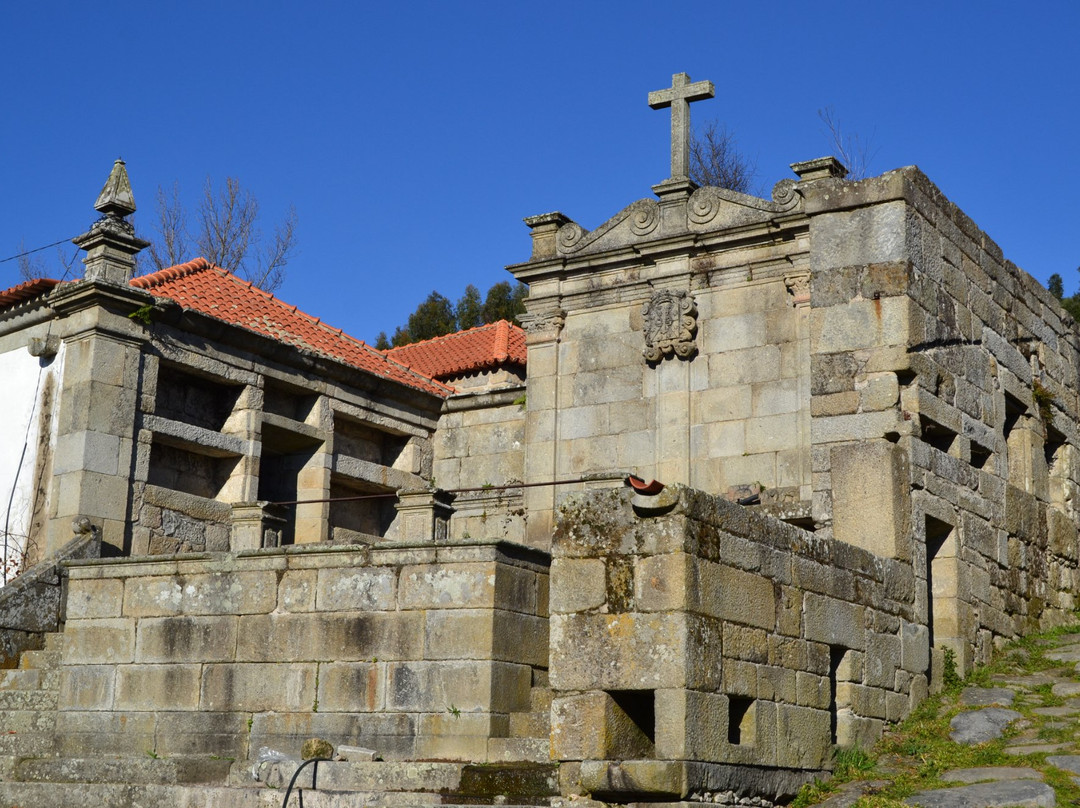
[[270, 271], [171, 248], [228, 234], [715, 160], [855, 153], [30, 268]]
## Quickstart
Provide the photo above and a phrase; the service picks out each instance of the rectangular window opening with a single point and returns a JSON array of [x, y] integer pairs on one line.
[[980, 455], [640, 707], [837, 654], [741, 720], [936, 435], [937, 536], [1052, 448]]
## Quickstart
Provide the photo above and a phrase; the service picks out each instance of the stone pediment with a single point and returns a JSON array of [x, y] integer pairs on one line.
[[706, 210]]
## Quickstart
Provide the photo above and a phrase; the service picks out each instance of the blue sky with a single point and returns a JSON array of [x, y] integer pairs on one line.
[[413, 138]]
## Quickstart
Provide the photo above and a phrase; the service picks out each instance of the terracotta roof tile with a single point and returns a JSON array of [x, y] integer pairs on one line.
[[26, 291], [200, 286], [479, 348]]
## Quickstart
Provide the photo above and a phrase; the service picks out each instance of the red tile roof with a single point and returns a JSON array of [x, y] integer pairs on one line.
[[479, 348], [200, 286], [26, 291]]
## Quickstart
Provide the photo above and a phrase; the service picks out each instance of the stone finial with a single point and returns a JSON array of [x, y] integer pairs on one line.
[[111, 244], [679, 96], [116, 198], [819, 169], [544, 227]]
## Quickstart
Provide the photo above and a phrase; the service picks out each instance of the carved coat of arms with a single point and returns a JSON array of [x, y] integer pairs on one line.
[[670, 326]]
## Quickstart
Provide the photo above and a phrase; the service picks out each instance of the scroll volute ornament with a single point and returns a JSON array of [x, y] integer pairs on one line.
[[670, 326]]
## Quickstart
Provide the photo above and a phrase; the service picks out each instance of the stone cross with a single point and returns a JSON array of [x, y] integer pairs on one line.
[[678, 96]]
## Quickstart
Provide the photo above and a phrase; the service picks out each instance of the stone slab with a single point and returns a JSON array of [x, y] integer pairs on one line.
[[979, 726], [987, 697], [1014, 793], [980, 774]]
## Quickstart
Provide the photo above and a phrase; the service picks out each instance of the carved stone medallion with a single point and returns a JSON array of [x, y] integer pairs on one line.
[[670, 326]]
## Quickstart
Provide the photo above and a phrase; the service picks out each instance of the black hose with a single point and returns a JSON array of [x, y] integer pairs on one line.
[[300, 793]]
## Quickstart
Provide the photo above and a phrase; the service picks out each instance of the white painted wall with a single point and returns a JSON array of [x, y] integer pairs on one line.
[[22, 378]]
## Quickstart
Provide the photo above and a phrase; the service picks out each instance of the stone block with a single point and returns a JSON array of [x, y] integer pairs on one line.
[[883, 656], [663, 779], [744, 330], [593, 726], [515, 589], [662, 583], [734, 595], [914, 648], [239, 592], [297, 590], [872, 478], [201, 734], [745, 367], [256, 687], [778, 398], [90, 734], [520, 638], [449, 724], [186, 639], [866, 235], [364, 588], [330, 636], [690, 725], [468, 686], [148, 687], [833, 622], [629, 651], [392, 734], [577, 585], [95, 598], [447, 586], [773, 433], [352, 687], [105, 640], [87, 687], [806, 738]]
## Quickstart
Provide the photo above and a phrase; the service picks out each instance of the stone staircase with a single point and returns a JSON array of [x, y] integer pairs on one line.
[[28, 699], [530, 731]]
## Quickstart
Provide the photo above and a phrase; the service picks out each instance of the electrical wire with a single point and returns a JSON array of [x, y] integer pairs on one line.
[[36, 249]]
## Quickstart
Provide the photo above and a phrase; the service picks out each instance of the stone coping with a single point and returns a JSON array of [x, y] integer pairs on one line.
[[308, 555]]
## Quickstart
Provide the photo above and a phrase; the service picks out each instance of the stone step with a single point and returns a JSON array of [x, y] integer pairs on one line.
[[18, 721], [530, 750], [115, 795], [54, 641], [428, 780], [27, 700], [131, 770], [40, 660], [20, 679], [540, 700], [25, 744], [530, 725]]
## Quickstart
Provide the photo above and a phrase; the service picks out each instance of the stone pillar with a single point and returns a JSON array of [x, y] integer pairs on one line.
[[251, 524], [543, 326], [95, 452], [425, 515]]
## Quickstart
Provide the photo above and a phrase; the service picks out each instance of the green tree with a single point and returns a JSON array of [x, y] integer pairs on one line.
[[469, 311], [437, 316], [504, 302], [432, 318], [1056, 286]]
